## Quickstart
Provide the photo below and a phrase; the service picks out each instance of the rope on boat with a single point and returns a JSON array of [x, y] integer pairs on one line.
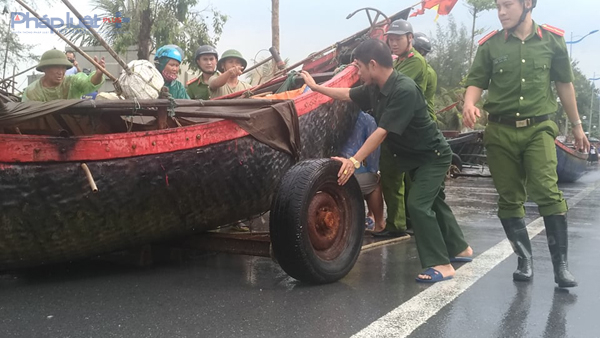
[[90, 178]]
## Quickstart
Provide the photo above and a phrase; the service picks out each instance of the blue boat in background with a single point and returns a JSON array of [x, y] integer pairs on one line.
[[571, 163]]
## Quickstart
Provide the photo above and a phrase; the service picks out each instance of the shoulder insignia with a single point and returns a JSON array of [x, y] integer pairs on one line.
[[192, 80], [487, 37], [554, 30]]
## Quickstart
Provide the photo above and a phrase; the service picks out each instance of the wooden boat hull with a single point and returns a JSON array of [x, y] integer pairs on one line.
[[49, 213], [571, 164]]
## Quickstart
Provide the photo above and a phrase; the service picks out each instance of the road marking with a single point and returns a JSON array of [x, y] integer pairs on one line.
[[407, 317]]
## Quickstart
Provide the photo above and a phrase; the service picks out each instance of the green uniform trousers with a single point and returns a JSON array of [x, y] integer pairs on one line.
[[392, 186], [523, 161], [437, 233]]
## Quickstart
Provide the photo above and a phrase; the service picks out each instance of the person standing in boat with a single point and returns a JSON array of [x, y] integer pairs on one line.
[[415, 145], [206, 58], [231, 66], [54, 85], [167, 60], [517, 66], [422, 45]]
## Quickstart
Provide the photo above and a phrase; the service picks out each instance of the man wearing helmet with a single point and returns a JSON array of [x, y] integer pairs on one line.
[[54, 85], [517, 66], [168, 59], [423, 46], [231, 65], [206, 58]]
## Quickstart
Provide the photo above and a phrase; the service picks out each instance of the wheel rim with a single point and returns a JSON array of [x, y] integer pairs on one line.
[[327, 217]]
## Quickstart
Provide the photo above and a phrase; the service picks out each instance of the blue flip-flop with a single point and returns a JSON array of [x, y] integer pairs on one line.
[[435, 275], [458, 259]]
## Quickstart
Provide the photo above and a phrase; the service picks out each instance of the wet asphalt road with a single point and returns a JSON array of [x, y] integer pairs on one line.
[[221, 295]]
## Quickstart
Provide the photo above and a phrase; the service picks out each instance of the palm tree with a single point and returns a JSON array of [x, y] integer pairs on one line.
[[153, 23]]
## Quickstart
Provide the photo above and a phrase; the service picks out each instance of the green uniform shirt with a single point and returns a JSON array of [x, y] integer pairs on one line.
[[71, 87], [518, 73], [415, 67], [400, 108], [177, 90], [430, 89], [197, 89]]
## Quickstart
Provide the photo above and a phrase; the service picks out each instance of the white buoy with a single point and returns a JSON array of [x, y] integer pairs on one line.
[[143, 83]]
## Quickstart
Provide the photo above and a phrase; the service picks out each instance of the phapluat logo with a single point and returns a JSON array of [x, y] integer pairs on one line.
[[24, 20], [117, 20]]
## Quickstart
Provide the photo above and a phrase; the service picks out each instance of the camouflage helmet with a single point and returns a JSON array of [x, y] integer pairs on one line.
[[206, 49], [422, 43], [400, 27], [231, 53], [53, 57]]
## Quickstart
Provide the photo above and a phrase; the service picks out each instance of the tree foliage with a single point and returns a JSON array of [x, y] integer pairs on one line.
[[476, 7], [17, 50], [154, 23]]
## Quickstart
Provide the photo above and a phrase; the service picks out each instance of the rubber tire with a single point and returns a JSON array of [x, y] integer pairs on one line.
[[289, 222], [456, 160]]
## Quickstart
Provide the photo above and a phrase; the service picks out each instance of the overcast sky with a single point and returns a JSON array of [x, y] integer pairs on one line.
[[311, 25]]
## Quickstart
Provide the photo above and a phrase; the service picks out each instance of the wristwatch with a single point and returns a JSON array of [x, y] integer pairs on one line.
[[576, 123], [355, 162]]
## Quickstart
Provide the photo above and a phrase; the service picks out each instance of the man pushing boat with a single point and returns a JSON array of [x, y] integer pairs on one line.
[[415, 145], [54, 85]]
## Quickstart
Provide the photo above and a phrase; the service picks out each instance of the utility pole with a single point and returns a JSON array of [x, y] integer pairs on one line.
[[591, 106], [275, 28]]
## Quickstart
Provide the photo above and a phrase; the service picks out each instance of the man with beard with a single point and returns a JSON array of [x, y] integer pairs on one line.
[[54, 85], [206, 58], [517, 66], [415, 145]]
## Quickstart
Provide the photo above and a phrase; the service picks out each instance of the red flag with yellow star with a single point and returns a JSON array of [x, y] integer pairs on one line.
[[443, 6]]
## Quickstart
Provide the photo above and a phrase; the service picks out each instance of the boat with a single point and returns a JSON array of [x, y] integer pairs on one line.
[[571, 163], [82, 178]]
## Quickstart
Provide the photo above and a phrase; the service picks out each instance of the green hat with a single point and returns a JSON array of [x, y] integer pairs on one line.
[[231, 53], [53, 57]]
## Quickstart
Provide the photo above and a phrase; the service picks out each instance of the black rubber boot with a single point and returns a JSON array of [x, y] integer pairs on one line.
[[516, 232], [556, 232]]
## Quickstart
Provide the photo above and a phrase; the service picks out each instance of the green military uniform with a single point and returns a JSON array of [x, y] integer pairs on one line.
[[522, 155], [197, 89], [392, 182], [430, 89], [415, 145], [415, 67], [71, 87]]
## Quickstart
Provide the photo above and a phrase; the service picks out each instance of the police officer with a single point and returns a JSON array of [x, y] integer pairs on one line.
[[206, 58], [413, 65], [517, 65], [423, 46], [415, 144]]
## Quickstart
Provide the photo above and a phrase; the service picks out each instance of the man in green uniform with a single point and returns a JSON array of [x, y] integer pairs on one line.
[[516, 66], [413, 65], [54, 85], [206, 58], [423, 46], [415, 145]]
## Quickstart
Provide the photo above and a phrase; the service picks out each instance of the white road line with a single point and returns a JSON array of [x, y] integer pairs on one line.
[[407, 317]]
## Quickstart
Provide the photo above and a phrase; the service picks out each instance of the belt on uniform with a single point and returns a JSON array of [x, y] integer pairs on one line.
[[518, 123]]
